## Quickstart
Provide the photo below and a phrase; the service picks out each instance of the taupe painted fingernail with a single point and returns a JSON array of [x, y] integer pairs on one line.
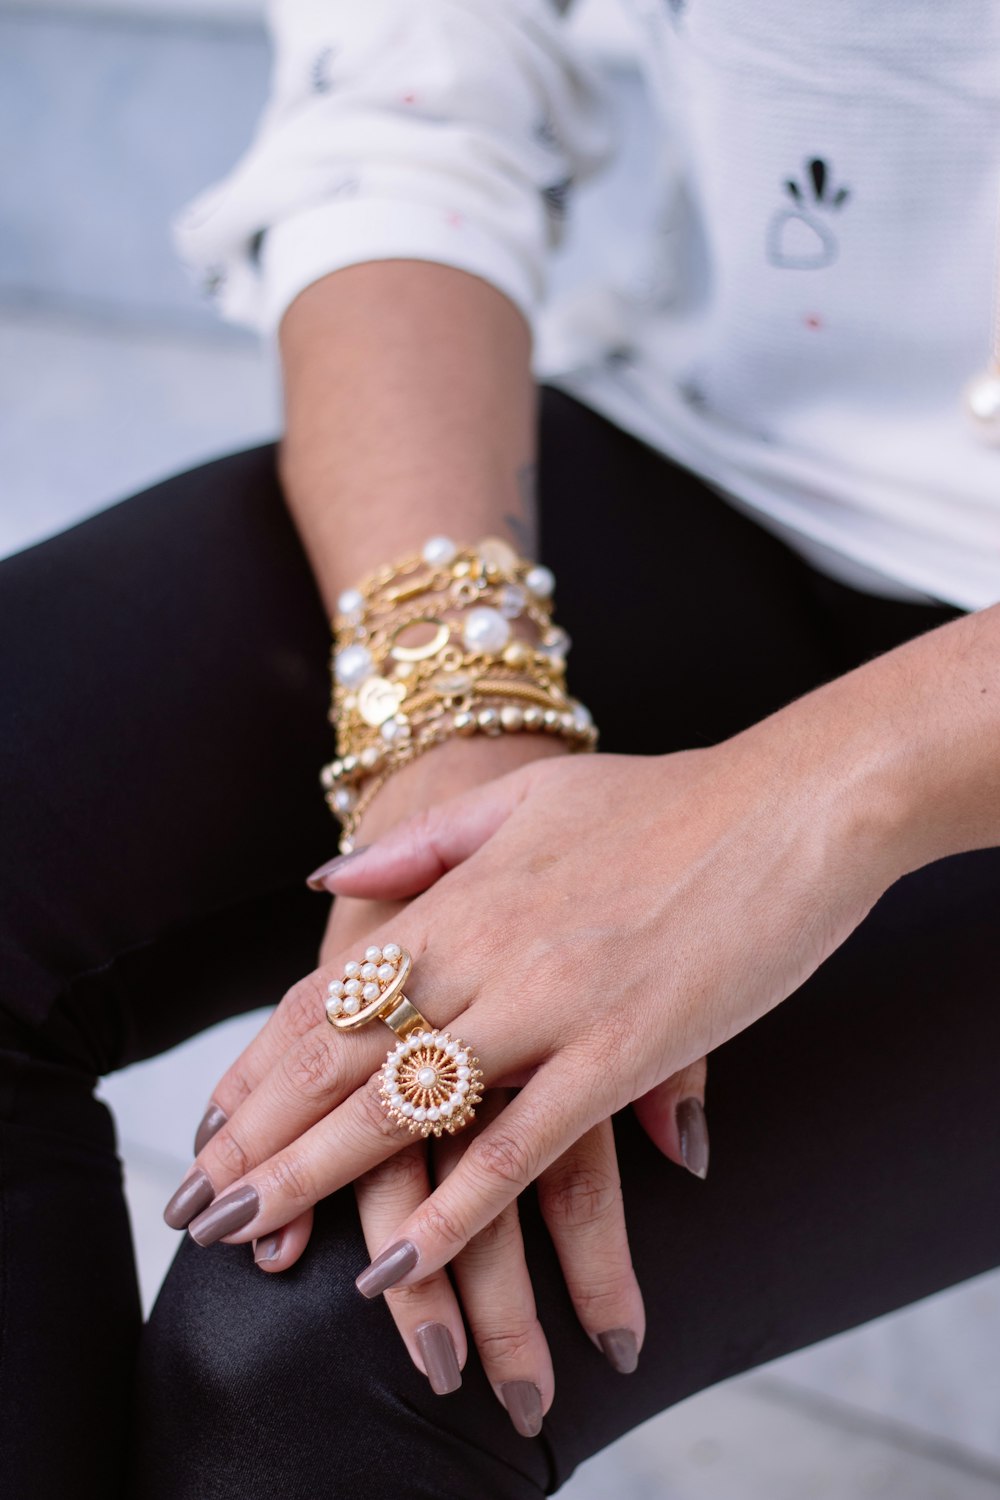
[[268, 1247], [523, 1401], [388, 1268], [692, 1128], [194, 1194], [437, 1350], [225, 1215], [211, 1121], [317, 880], [621, 1349]]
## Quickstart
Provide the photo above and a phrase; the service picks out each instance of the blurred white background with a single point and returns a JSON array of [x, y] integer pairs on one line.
[[113, 373]]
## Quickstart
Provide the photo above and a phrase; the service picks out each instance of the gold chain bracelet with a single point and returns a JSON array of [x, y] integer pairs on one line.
[[450, 641]]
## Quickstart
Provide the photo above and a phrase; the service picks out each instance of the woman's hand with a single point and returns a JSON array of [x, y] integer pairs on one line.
[[592, 925]]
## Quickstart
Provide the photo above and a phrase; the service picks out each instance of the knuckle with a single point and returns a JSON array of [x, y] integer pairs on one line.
[[289, 1178], [441, 1226], [304, 1004], [512, 1348], [313, 1066], [502, 1157], [373, 1116], [576, 1195], [398, 1175], [497, 1236], [601, 1303], [234, 1086], [230, 1153], [406, 1302]]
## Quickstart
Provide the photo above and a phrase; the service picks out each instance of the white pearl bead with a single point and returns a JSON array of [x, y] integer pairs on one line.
[[982, 396], [336, 987], [352, 1005], [352, 969], [385, 972], [461, 1057], [485, 629], [512, 600], [395, 729], [351, 602], [512, 718], [370, 992], [439, 551], [352, 987], [556, 643], [345, 799], [407, 1108], [464, 1072], [420, 1113], [451, 1048], [447, 1108], [582, 717], [353, 665], [433, 1113], [372, 955], [334, 1005], [369, 970], [540, 581], [455, 1100], [462, 1087], [427, 1077], [391, 951]]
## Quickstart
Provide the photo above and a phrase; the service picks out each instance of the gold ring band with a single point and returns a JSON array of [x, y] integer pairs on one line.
[[431, 1081]]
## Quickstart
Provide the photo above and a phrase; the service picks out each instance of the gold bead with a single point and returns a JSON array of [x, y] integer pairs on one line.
[[516, 654], [489, 721], [551, 720], [533, 718], [464, 723]]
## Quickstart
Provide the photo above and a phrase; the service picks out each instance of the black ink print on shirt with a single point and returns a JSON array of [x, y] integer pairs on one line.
[[556, 197], [544, 132], [320, 80], [801, 238]]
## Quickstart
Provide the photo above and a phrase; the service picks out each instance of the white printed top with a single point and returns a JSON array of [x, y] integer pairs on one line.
[[815, 281]]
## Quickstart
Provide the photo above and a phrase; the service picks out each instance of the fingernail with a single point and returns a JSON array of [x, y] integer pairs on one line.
[[692, 1127], [523, 1401], [317, 880], [211, 1121], [225, 1216], [437, 1350], [195, 1193], [621, 1349], [388, 1268], [268, 1247]]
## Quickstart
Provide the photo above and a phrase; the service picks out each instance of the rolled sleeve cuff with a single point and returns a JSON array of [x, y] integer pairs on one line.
[[310, 244]]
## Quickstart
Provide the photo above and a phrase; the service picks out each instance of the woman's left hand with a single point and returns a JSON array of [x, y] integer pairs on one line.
[[590, 926]]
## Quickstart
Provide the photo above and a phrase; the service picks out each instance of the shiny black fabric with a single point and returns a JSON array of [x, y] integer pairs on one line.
[[164, 694]]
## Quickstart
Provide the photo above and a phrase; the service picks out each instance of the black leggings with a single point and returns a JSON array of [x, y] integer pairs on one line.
[[164, 718]]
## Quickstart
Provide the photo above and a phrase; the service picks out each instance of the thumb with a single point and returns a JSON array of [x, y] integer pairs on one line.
[[422, 848], [673, 1116]]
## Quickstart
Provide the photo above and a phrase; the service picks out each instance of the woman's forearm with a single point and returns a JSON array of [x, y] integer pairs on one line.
[[907, 746], [410, 412]]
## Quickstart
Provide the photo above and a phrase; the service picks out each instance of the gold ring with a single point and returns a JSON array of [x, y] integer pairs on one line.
[[431, 1081]]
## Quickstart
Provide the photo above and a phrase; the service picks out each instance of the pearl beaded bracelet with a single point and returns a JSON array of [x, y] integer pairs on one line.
[[452, 641]]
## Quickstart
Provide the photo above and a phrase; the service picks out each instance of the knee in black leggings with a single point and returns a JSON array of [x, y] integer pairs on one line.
[[257, 1384]]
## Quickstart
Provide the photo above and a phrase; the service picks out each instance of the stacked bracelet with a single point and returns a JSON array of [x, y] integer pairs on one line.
[[452, 641]]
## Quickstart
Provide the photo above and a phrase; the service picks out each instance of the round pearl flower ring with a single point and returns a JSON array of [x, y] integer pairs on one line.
[[431, 1082]]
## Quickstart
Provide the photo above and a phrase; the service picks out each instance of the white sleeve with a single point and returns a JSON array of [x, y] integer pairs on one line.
[[440, 130]]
